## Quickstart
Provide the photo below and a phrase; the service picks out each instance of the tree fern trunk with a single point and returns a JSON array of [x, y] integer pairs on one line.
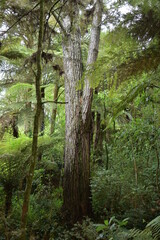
[[15, 126]]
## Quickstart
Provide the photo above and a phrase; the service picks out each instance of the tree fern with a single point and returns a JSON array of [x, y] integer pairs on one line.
[[151, 232], [133, 93], [154, 225], [13, 49]]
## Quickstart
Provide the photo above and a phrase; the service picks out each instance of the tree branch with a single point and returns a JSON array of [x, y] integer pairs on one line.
[[60, 93], [54, 102], [59, 22], [19, 19], [155, 86], [48, 17], [57, 17]]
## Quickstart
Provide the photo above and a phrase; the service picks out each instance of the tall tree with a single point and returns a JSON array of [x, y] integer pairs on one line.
[[78, 109], [73, 74], [87, 103], [36, 127]]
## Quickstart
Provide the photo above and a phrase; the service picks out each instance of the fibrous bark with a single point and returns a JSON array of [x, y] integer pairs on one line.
[[78, 112], [87, 103], [73, 73]]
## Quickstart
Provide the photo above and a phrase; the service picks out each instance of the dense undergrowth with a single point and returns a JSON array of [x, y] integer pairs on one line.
[[125, 196]]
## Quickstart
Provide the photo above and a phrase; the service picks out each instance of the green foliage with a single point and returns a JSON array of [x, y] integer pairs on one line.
[[17, 97], [129, 187], [13, 49], [116, 48], [151, 231], [154, 226], [106, 191], [13, 146], [112, 229], [141, 27], [83, 231], [130, 97], [14, 159], [43, 214]]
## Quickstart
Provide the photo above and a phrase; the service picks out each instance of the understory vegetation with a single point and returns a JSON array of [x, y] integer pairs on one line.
[[79, 120]]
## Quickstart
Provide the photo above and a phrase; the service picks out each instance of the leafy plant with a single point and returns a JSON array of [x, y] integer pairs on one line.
[[112, 229]]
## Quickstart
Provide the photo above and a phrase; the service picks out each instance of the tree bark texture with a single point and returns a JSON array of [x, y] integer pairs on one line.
[[27, 120], [54, 110], [73, 73], [87, 103], [35, 129], [42, 115], [78, 112], [92, 57]]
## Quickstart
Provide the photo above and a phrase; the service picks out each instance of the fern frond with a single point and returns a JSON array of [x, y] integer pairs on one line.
[[154, 225], [133, 93], [137, 234], [151, 232]]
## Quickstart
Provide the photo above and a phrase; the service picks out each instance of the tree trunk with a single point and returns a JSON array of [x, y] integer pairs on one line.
[[42, 115], [36, 128], [97, 131], [86, 106], [27, 120], [73, 73], [78, 117], [54, 110]]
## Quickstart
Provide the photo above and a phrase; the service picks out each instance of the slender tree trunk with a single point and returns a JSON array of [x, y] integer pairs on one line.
[[97, 146], [86, 107], [41, 121], [27, 121], [97, 130], [99, 137], [42, 115], [54, 110], [158, 168], [35, 130]]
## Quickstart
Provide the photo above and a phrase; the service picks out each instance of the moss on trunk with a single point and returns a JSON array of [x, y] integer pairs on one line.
[[35, 129]]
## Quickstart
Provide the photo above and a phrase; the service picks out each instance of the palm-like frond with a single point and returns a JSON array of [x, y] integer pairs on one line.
[[154, 225], [151, 232]]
